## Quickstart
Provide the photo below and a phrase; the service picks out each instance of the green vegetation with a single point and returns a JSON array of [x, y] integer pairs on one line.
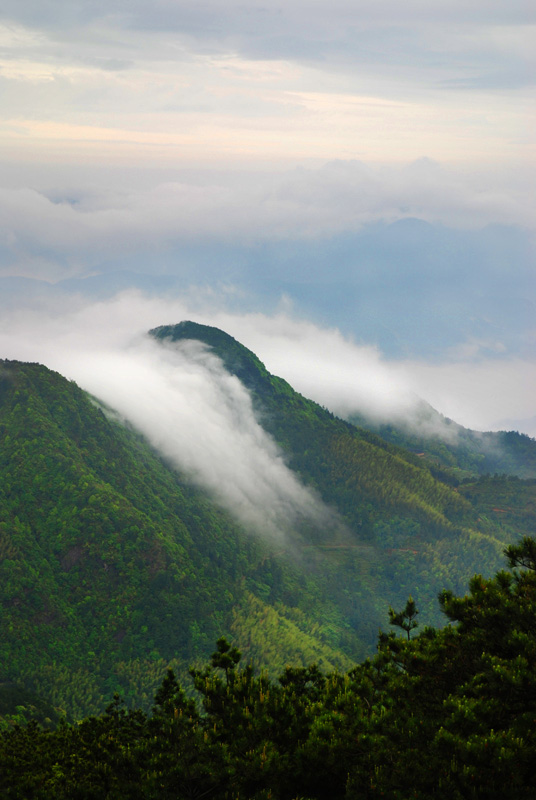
[[455, 452], [446, 714], [113, 568], [413, 527]]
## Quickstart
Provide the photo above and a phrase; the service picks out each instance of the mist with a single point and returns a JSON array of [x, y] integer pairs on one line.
[[56, 226], [200, 418], [191, 410], [102, 346]]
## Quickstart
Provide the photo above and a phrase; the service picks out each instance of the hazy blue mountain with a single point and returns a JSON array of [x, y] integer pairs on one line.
[[413, 288]]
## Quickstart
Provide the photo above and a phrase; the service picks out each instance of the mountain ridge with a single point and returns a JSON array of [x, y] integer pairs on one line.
[[471, 452]]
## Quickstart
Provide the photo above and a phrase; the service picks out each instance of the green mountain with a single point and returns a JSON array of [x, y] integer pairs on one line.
[[414, 527], [113, 567], [367, 473]]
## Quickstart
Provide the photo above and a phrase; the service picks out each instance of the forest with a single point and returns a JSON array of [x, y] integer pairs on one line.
[[115, 567], [444, 713]]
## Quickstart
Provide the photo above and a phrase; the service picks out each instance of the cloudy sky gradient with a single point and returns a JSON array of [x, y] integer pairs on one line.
[[355, 179], [179, 80]]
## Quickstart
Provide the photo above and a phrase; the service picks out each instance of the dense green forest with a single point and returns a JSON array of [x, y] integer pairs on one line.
[[446, 714], [113, 567]]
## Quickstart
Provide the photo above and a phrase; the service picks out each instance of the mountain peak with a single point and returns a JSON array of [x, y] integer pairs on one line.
[[236, 358], [187, 329]]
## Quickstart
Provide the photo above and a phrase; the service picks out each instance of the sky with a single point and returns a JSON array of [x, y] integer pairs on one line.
[[182, 82], [346, 187]]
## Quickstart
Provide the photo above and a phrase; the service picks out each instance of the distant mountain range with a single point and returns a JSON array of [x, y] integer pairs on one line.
[[410, 287], [113, 565]]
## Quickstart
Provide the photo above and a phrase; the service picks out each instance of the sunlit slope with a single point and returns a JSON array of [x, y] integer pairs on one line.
[[110, 566]]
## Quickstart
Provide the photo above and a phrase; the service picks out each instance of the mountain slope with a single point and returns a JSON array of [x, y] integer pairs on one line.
[[462, 452], [110, 566], [321, 447], [411, 530]]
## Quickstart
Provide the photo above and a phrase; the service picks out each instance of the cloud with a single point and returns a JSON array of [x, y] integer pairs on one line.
[[291, 29], [198, 416], [395, 49], [201, 419], [173, 82], [102, 346], [417, 260], [482, 395], [350, 378], [326, 366], [80, 226]]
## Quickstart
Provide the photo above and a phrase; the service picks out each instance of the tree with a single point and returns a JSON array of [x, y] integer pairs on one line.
[[405, 619], [182, 761]]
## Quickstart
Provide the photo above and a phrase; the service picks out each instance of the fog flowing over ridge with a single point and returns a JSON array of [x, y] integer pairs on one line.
[[373, 163], [201, 418], [347, 189], [192, 411]]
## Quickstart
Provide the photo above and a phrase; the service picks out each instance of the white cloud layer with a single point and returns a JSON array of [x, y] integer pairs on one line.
[[346, 377]]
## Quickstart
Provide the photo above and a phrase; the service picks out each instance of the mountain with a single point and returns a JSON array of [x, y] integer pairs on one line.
[[460, 452], [414, 528], [113, 566]]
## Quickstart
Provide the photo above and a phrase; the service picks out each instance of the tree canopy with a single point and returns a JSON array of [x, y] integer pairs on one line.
[[446, 713]]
